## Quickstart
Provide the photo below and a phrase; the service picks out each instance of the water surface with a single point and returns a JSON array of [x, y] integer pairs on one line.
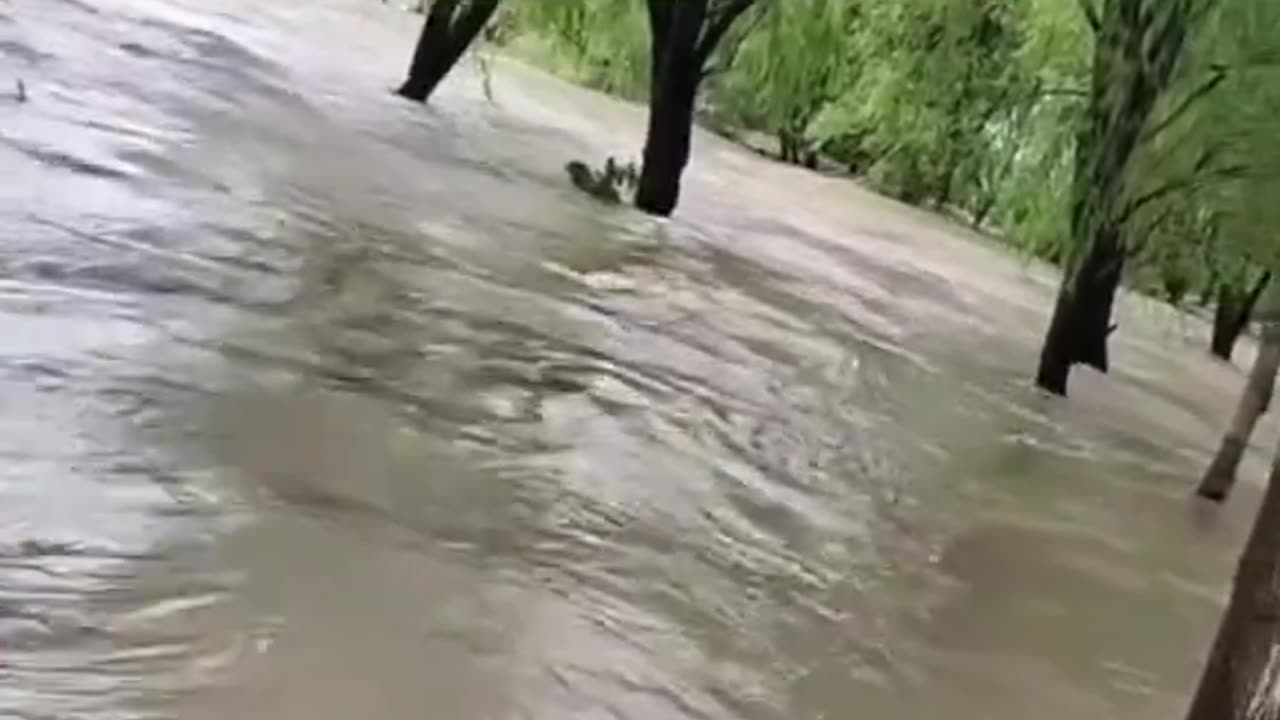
[[319, 404]]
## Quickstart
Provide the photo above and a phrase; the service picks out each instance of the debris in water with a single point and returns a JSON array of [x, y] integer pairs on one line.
[[610, 185], [22, 91]]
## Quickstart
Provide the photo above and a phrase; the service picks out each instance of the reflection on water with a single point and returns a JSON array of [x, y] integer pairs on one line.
[[322, 405]]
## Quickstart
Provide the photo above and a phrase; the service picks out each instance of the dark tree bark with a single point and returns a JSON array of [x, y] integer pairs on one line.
[[1137, 46], [661, 14], [1234, 310], [1080, 326], [450, 27], [1241, 680], [684, 35], [674, 90], [1220, 476]]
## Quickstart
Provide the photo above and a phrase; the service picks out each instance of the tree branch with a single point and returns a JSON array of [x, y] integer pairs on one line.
[[1090, 14], [474, 17], [1140, 238], [719, 20], [1198, 11], [1218, 75], [728, 56], [1196, 179]]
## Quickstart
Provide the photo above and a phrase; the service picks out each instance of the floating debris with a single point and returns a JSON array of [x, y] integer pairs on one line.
[[611, 185]]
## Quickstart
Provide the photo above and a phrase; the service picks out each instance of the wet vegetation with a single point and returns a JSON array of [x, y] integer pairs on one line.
[[1123, 140], [425, 385]]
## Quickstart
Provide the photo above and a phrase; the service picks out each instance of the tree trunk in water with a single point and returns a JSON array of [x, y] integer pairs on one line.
[[1242, 678], [1220, 476], [786, 153], [674, 89], [1137, 46], [667, 144], [983, 210], [1226, 328], [450, 28], [1232, 315], [1081, 316]]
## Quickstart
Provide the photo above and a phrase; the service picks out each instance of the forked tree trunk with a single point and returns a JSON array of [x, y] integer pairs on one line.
[[1241, 680], [450, 27], [1220, 476], [1232, 315], [1137, 46], [684, 35], [674, 91]]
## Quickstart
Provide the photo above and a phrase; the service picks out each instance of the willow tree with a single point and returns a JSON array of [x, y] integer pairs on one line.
[[1241, 199], [1213, 174], [1220, 477], [949, 95], [792, 65], [598, 43], [448, 31], [1241, 680], [1138, 47], [1234, 305], [684, 34], [1249, 215]]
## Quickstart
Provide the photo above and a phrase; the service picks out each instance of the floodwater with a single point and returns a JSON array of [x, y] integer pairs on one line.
[[318, 404]]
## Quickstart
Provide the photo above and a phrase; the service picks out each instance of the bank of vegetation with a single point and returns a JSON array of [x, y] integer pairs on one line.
[[1126, 141]]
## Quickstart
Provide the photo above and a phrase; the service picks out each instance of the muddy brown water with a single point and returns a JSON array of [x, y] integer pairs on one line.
[[317, 404]]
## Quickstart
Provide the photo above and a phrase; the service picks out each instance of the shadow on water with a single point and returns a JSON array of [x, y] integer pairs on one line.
[[323, 405]]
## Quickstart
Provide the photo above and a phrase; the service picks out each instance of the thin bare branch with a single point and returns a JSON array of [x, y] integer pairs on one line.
[[729, 53], [1139, 240], [1090, 14], [719, 20], [1197, 179], [1217, 76]]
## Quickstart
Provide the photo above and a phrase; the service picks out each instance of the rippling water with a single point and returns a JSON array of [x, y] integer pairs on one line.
[[317, 404]]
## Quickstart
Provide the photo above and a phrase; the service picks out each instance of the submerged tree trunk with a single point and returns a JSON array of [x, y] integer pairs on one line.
[[684, 35], [1220, 476], [1081, 320], [450, 28], [1242, 678], [675, 90], [1137, 46], [983, 209], [1232, 315], [788, 147], [793, 144]]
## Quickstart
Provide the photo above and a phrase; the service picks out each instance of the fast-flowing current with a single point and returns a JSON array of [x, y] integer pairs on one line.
[[315, 403]]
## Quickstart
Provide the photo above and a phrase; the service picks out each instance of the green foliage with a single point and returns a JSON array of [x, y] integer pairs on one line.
[[771, 86], [1213, 167], [950, 104], [977, 107], [602, 44], [1029, 197], [936, 89]]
